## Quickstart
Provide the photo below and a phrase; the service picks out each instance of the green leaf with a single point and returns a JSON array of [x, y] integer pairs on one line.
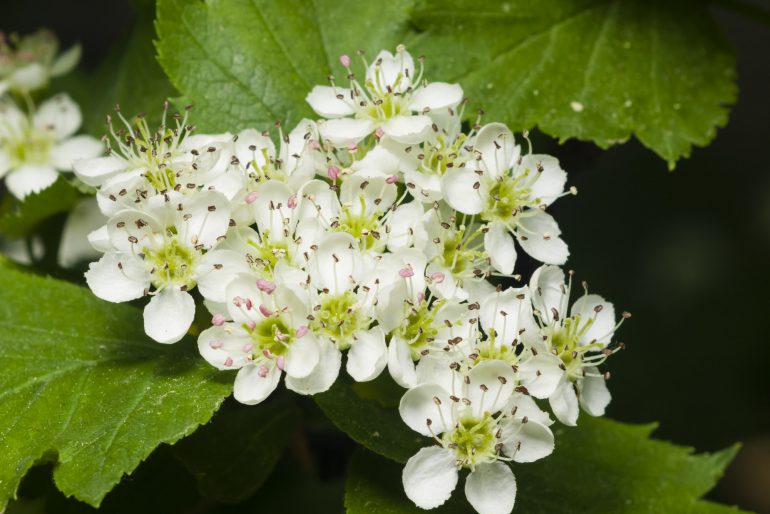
[[368, 422], [20, 218], [234, 455], [598, 70], [601, 466], [82, 385], [246, 63]]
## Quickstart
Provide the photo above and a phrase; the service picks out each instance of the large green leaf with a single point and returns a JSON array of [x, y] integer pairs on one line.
[[246, 63], [598, 70], [81, 384], [259, 433], [602, 466]]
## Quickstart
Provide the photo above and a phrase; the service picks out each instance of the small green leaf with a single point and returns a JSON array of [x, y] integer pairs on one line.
[[80, 384], [368, 422], [246, 63], [597, 70], [599, 467], [233, 455], [20, 218]]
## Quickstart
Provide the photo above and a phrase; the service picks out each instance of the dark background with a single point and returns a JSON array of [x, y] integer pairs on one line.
[[687, 252]]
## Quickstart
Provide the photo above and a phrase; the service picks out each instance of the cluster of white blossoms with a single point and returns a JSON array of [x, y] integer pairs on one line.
[[377, 232], [37, 142]]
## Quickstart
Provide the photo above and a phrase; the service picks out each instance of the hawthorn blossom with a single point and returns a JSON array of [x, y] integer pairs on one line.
[[392, 99], [510, 192], [27, 63], [35, 148], [157, 251], [479, 423]]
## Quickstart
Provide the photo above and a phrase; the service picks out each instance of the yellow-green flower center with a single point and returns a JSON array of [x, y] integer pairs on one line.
[[171, 264], [338, 317], [473, 439]]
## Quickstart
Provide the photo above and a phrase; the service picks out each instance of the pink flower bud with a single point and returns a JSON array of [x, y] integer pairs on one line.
[[229, 361], [301, 331], [262, 371], [265, 311], [218, 320], [379, 132], [352, 147], [345, 60], [216, 345], [292, 201], [391, 179], [249, 304], [280, 363], [265, 286], [333, 172], [251, 197], [406, 272], [437, 277]]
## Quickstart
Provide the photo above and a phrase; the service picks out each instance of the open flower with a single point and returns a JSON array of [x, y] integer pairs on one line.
[[35, 148], [479, 424], [157, 251], [28, 63], [392, 98], [510, 193]]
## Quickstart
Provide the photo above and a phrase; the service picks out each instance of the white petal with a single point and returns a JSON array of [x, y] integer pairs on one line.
[[345, 131], [435, 368], [216, 270], [491, 488], [109, 282], [550, 182], [527, 442], [490, 385], [436, 95], [66, 61], [99, 239], [498, 148], [391, 70], [271, 208], [564, 404], [303, 356], [507, 312], [460, 193], [169, 315], [336, 263], [594, 395], [251, 387], [541, 374], [400, 364], [29, 179], [409, 130], [324, 375], [430, 476], [67, 152], [603, 322], [95, 171], [368, 355], [426, 402], [325, 101], [377, 162], [207, 218], [498, 244], [83, 220], [59, 115], [539, 237], [223, 346], [549, 292], [30, 77], [264, 149]]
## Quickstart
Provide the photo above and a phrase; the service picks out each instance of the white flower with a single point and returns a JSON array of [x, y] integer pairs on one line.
[[269, 335], [160, 247], [392, 99], [510, 192], [75, 246], [28, 63], [480, 424], [572, 345], [35, 148]]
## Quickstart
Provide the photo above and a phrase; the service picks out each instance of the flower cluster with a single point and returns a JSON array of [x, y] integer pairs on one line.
[[37, 141], [379, 232]]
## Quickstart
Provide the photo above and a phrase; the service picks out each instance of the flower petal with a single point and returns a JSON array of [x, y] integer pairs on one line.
[[169, 315], [368, 355], [508, 312], [30, 178], [436, 95], [326, 101], [95, 171], [496, 144], [430, 476], [549, 292], [336, 263], [400, 364], [59, 115], [303, 356], [564, 403], [216, 270], [324, 374], [408, 130], [223, 346], [461, 192], [73, 149], [541, 374], [426, 408], [539, 237], [551, 180], [527, 442], [344, 131], [594, 395], [75, 245], [489, 386], [391, 70], [498, 244], [118, 277], [491, 488], [601, 312], [251, 387]]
